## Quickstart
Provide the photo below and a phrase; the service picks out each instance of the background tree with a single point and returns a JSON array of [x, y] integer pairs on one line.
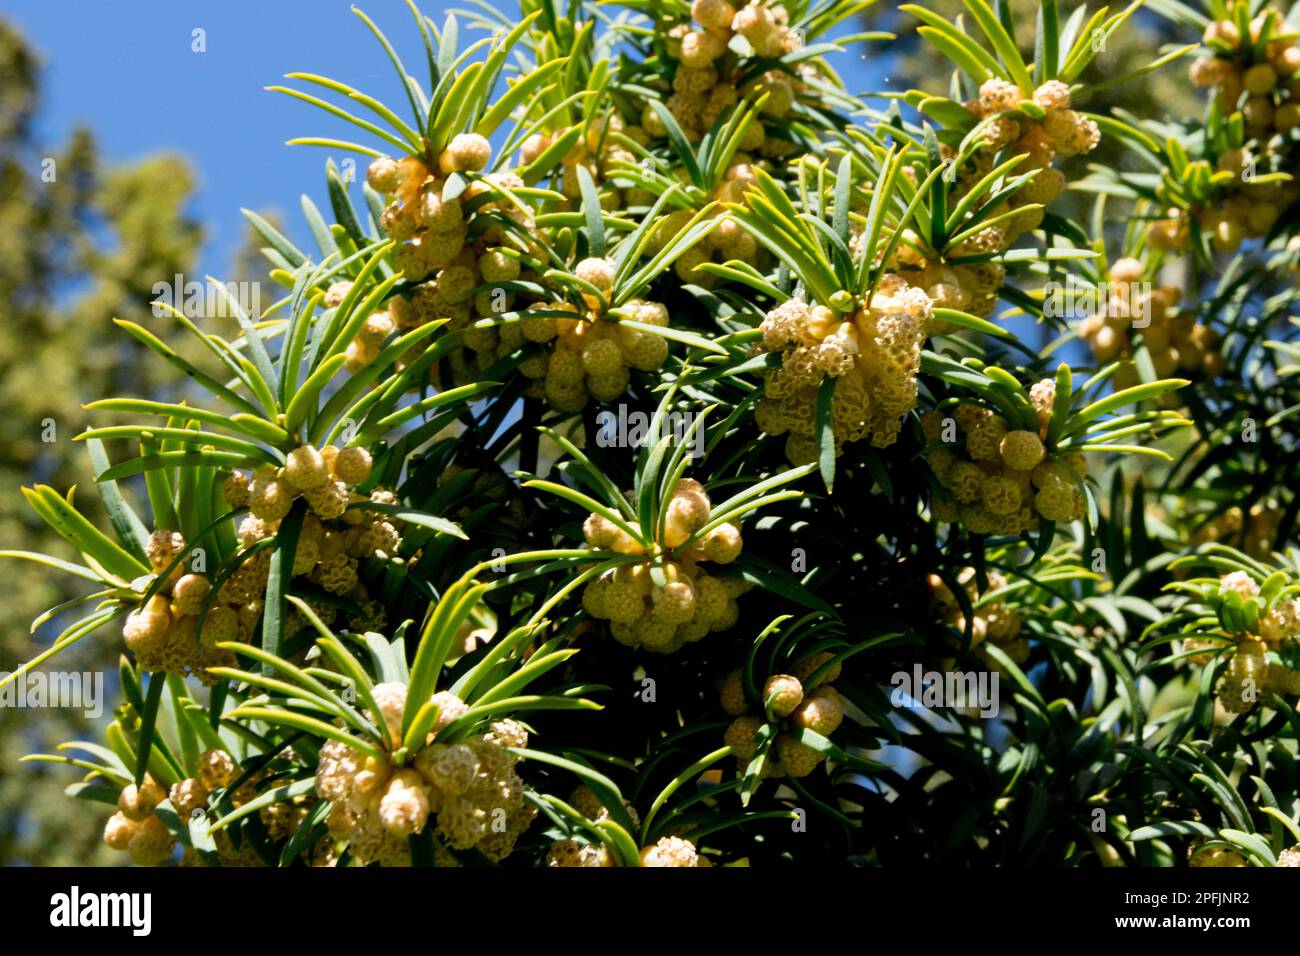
[[80, 244]]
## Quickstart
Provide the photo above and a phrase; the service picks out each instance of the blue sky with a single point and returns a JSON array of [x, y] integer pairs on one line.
[[129, 72]]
